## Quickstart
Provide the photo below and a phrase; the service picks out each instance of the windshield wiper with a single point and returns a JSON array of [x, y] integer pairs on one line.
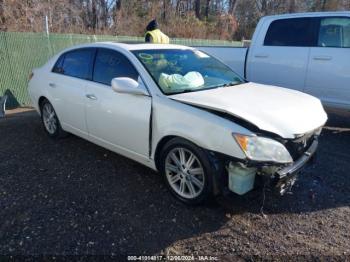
[[188, 90], [183, 91], [229, 84]]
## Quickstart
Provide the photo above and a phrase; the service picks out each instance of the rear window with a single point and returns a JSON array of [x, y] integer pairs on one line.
[[58, 66], [76, 63], [299, 32]]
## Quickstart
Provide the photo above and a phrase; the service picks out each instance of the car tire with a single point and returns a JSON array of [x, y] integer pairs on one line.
[[49, 119], [187, 171]]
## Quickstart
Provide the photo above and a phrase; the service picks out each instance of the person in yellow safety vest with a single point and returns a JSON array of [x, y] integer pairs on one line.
[[154, 35]]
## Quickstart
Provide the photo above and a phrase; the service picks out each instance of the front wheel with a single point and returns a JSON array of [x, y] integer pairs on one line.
[[187, 171]]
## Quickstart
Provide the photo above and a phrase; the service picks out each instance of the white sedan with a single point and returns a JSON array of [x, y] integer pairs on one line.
[[181, 112]]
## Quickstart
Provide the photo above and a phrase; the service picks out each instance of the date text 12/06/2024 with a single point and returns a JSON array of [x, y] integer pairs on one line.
[[173, 258]]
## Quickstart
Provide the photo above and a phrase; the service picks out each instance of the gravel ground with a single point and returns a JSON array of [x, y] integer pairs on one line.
[[71, 197]]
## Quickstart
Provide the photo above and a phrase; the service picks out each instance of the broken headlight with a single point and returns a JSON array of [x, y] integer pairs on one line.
[[263, 149]]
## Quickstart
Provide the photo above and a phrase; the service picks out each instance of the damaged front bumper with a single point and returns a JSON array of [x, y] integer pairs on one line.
[[285, 177], [280, 177]]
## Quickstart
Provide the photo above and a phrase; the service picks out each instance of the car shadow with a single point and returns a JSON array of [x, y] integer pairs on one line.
[[73, 197], [338, 118]]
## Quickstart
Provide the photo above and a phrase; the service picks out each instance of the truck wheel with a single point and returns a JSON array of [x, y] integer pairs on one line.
[[187, 171]]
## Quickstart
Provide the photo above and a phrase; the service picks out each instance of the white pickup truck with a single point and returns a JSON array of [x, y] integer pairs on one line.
[[309, 52]]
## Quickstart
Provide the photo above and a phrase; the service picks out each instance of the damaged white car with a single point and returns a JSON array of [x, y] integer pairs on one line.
[[179, 111]]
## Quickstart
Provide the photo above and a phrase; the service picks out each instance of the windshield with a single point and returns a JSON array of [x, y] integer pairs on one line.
[[178, 71]]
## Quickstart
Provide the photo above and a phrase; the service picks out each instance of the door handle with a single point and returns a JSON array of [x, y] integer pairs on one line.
[[91, 96], [261, 56], [53, 85], [322, 58]]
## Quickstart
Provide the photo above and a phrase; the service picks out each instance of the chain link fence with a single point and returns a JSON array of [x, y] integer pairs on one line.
[[21, 52]]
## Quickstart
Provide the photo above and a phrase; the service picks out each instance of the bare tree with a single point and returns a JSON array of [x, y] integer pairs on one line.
[[232, 6], [2, 16], [291, 6], [117, 4], [224, 19], [266, 7], [207, 8], [198, 8]]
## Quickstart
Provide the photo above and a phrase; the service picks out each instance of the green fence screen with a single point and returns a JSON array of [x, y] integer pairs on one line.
[[21, 52]]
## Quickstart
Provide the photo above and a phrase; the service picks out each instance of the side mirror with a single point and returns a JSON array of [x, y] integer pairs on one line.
[[128, 85]]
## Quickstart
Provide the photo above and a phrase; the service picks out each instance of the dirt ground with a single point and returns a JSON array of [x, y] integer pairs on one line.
[[71, 197]]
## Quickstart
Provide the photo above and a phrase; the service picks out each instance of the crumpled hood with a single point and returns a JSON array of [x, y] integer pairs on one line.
[[282, 111]]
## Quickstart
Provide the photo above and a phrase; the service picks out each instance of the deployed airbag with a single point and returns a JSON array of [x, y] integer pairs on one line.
[[177, 82]]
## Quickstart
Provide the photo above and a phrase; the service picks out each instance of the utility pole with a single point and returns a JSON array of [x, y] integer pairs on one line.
[[47, 31], [47, 25]]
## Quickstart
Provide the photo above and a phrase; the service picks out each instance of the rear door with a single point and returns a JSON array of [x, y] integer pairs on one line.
[[118, 121], [328, 75], [280, 54], [67, 86]]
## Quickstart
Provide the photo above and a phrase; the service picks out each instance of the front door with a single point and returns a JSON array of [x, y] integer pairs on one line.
[[118, 121]]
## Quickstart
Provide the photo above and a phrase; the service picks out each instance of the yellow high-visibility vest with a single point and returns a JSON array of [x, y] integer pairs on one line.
[[158, 37]]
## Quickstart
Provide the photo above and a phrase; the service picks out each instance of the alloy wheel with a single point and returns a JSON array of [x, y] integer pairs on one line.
[[184, 173], [49, 118]]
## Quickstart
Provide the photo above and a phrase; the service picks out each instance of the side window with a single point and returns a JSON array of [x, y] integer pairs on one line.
[[334, 32], [292, 32], [110, 64], [58, 66], [77, 63]]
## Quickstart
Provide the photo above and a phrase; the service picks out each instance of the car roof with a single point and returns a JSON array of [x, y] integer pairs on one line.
[[130, 47]]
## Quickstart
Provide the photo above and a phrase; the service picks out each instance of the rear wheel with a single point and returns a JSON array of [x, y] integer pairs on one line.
[[50, 121], [187, 171]]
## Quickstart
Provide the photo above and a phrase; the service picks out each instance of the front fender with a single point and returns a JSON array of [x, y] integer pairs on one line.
[[206, 130]]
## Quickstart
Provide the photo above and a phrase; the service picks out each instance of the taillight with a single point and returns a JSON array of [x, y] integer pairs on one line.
[[31, 75]]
